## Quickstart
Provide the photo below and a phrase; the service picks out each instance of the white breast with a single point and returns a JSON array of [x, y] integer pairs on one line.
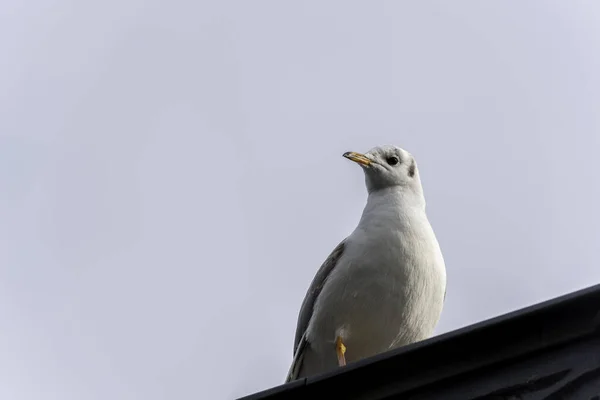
[[388, 287]]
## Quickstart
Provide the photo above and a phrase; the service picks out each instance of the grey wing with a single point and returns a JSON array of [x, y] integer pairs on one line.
[[314, 290], [307, 308]]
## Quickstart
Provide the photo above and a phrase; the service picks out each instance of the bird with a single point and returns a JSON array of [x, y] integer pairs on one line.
[[384, 285]]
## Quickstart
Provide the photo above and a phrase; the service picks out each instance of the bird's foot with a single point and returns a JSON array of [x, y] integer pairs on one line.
[[340, 350]]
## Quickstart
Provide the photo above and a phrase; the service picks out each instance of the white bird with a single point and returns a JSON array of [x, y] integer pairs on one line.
[[383, 286]]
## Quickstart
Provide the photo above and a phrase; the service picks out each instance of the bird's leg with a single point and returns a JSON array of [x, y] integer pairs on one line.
[[340, 349]]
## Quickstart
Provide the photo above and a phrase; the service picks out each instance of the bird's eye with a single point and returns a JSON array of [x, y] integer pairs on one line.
[[392, 160]]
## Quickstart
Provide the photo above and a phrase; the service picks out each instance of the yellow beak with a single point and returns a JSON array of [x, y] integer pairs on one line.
[[358, 158]]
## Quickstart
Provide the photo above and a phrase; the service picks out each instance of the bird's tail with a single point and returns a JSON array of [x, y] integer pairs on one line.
[[297, 361]]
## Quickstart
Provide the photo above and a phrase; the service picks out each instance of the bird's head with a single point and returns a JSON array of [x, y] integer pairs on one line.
[[388, 166]]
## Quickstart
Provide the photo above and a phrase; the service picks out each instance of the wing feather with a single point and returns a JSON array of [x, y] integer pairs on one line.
[[314, 290], [308, 304]]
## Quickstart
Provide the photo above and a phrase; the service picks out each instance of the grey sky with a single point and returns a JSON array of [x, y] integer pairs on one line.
[[172, 174]]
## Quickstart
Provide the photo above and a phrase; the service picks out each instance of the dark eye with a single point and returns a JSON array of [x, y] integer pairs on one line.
[[392, 160]]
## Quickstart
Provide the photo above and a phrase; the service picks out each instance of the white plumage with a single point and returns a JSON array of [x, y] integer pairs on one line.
[[384, 285]]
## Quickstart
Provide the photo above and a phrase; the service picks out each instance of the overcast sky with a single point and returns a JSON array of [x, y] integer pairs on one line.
[[171, 174]]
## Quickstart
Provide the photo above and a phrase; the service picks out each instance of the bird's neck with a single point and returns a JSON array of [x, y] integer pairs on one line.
[[390, 204]]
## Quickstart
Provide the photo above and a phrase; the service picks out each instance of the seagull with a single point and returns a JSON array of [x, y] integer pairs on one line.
[[384, 285]]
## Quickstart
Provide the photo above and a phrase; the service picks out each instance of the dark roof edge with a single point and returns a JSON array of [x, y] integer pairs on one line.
[[495, 340]]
